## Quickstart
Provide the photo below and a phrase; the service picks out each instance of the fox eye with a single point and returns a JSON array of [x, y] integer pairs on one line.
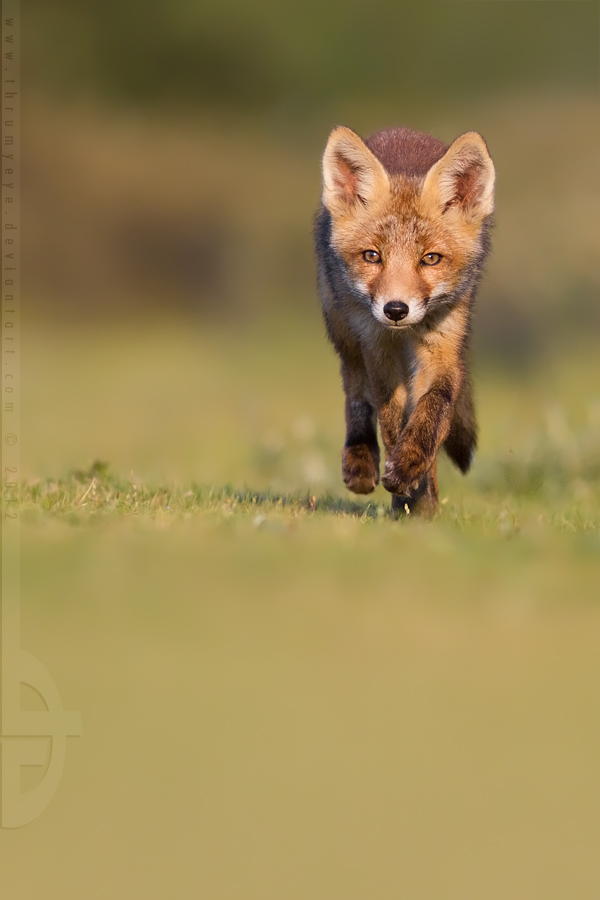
[[431, 259], [371, 256]]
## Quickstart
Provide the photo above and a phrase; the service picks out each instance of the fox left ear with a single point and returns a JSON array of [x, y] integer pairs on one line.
[[464, 178], [353, 177]]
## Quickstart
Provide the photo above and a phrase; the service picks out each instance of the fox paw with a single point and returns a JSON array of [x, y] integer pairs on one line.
[[404, 476], [360, 468], [424, 504]]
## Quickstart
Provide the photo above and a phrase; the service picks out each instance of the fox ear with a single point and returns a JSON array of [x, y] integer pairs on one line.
[[463, 178], [351, 173]]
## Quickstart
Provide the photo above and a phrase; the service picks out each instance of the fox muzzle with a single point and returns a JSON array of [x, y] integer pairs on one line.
[[395, 310]]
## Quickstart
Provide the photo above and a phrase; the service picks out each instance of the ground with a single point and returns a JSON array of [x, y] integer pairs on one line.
[[285, 693]]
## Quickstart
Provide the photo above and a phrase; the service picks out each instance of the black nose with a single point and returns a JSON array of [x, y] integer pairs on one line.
[[396, 310]]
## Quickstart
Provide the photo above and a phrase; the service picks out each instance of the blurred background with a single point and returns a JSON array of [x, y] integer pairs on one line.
[[172, 153], [284, 693], [171, 172]]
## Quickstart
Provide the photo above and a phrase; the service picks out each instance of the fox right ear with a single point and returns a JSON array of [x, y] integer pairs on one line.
[[463, 178], [351, 173]]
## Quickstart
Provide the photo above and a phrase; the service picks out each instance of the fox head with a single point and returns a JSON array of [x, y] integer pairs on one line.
[[410, 233]]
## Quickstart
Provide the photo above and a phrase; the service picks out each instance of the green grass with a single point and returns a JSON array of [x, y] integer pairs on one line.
[[557, 493], [232, 438], [237, 434]]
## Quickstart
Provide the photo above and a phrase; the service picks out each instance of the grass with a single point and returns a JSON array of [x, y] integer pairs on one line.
[[563, 497], [285, 692], [232, 440], [237, 436]]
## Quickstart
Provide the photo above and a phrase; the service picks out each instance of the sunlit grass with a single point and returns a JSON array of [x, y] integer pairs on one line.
[[249, 422], [231, 440], [503, 496], [176, 424]]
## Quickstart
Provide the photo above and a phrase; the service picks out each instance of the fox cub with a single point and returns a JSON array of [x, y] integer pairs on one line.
[[401, 239]]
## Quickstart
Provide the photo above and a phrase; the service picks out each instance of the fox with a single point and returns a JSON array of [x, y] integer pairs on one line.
[[401, 236]]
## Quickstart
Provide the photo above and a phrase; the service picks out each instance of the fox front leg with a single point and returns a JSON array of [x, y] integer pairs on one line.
[[360, 456], [410, 467]]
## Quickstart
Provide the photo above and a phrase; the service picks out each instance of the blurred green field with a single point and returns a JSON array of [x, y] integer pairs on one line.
[[284, 692]]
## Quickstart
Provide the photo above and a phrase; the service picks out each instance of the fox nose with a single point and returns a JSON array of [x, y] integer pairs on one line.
[[396, 310]]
